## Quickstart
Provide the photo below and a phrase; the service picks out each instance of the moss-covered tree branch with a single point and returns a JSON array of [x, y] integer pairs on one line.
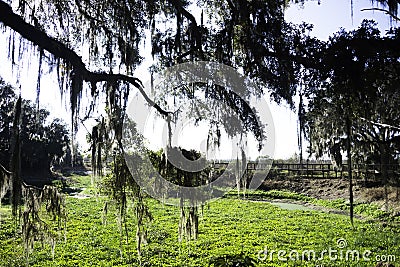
[[61, 51]]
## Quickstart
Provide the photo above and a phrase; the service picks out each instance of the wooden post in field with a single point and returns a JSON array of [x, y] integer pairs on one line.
[[329, 171]]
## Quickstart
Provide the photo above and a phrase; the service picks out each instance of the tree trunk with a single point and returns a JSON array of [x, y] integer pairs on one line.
[[350, 170], [384, 168]]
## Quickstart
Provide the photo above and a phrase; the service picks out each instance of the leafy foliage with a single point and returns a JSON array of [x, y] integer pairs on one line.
[[359, 89], [43, 142]]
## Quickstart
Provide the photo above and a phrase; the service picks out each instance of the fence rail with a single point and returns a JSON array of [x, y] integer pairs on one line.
[[323, 170]]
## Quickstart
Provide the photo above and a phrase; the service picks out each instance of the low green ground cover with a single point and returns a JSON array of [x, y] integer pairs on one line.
[[229, 228]]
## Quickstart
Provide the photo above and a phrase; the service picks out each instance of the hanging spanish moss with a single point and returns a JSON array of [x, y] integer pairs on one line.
[[188, 227], [97, 138], [188, 223], [240, 172], [42, 208], [143, 216], [15, 164], [39, 203], [72, 72], [237, 175], [300, 125], [124, 189], [392, 5], [106, 143], [40, 72], [5, 183], [5, 180]]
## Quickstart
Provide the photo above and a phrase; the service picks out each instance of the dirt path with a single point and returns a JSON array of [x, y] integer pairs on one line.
[[331, 189]]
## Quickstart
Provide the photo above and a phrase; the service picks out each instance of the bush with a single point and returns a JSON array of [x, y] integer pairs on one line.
[[238, 260]]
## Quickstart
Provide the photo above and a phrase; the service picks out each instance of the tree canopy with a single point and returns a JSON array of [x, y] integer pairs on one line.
[[99, 41]]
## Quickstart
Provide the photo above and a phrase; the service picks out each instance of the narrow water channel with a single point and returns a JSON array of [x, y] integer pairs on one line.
[[290, 206]]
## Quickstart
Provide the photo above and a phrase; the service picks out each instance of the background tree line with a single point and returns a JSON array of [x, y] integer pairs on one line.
[[44, 142]]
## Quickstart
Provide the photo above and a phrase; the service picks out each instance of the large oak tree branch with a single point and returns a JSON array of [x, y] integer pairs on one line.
[[387, 12], [60, 50]]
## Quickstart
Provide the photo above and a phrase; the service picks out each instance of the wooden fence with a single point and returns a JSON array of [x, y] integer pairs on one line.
[[312, 169], [322, 169]]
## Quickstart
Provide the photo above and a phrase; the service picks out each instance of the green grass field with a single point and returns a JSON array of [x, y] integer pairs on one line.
[[228, 226]]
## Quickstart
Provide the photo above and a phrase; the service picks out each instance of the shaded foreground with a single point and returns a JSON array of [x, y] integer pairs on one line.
[[227, 226]]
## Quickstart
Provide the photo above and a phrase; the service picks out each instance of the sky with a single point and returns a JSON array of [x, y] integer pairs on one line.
[[327, 17]]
